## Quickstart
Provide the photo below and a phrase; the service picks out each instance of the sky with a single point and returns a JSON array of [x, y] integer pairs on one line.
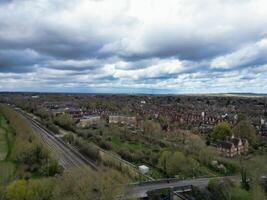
[[133, 46]]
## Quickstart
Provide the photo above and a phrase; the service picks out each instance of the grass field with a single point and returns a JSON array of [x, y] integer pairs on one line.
[[3, 144], [6, 138], [7, 169], [132, 146], [3, 140]]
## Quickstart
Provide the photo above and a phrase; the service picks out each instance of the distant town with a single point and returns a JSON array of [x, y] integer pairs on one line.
[[171, 146]]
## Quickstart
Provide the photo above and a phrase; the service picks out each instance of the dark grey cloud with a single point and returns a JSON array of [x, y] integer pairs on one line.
[[19, 61], [138, 44]]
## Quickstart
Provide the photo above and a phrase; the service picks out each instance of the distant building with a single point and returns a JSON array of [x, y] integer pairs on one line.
[[233, 147], [74, 112], [88, 121], [123, 120]]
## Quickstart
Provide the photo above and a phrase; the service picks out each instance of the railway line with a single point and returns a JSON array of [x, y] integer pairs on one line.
[[68, 157]]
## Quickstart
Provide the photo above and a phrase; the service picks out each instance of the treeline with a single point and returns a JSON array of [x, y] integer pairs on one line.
[[30, 156], [77, 184], [31, 107], [226, 189]]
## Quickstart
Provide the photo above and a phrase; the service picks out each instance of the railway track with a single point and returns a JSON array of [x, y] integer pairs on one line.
[[68, 157]]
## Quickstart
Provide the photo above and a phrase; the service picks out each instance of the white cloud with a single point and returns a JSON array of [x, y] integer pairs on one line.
[[159, 69], [181, 45], [252, 54]]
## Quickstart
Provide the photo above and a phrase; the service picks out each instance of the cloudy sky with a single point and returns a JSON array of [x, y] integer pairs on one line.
[[141, 46]]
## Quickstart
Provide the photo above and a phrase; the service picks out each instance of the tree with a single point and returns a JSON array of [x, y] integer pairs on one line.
[[220, 189], [245, 130], [111, 185], [163, 122], [41, 189], [84, 184], [152, 129], [221, 131], [177, 164], [164, 159], [76, 185], [65, 121], [199, 151], [50, 168]]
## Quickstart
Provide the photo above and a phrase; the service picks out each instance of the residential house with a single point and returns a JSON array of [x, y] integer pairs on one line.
[[233, 147]]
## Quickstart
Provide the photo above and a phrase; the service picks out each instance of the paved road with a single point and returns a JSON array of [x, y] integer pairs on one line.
[[68, 156], [140, 191]]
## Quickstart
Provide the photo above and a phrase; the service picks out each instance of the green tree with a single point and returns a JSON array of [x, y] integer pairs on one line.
[[220, 189], [76, 184], [152, 128], [111, 185], [177, 164], [221, 131], [199, 151], [163, 160], [84, 184], [244, 129], [65, 121], [40, 189]]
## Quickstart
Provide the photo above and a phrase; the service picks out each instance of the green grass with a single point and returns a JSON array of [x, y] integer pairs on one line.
[[7, 170], [132, 146], [116, 142], [3, 144], [6, 138]]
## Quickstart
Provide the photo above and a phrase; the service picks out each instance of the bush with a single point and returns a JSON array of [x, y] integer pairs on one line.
[[51, 126], [125, 154], [105, 145], [65, 121], [175, 163], [51, 168], [88, 149]]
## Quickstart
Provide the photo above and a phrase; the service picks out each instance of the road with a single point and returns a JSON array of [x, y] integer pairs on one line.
[[67, 156], [140, 190]]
